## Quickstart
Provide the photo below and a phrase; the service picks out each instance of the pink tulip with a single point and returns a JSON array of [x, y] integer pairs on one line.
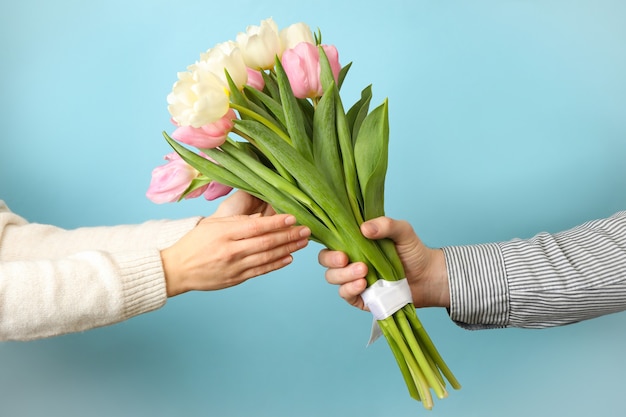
[[255, 79], [209, 136], [333, 58], [216, 190], [170, 181], [302, 66]]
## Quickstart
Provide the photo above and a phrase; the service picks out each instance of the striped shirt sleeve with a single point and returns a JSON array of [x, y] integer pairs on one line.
[[549, 280]]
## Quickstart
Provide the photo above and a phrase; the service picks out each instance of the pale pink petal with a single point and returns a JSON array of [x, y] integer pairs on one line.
[[169, 181], [301, 65], [197, 192], [216, 190], [255, 79], [208, 136], [333, 58]]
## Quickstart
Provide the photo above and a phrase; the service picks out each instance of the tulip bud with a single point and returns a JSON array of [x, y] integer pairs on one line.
[[225, 56], [295, 34], [260, 45], [198, 98], [216, 190], [208, 136], [302, 66], [255, 79], [170, 181]]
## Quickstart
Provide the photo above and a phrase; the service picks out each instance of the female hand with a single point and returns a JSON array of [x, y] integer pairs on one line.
[[230, 247]]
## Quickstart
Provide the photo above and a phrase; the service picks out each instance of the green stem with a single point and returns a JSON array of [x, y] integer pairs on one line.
[[273, 160], [390, 329], [404, 369], [255, 116], [429, 373], [421, 333]]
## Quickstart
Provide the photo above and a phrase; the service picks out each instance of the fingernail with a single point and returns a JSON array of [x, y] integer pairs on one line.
[[370, 228], [305, 232], [290, 220], [358, 270]]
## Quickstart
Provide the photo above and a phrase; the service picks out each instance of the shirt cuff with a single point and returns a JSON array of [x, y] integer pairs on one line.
[[479, 293]]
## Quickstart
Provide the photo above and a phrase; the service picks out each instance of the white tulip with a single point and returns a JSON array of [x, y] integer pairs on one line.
[[197, 99], [295, 34], [225, 56], [260, 45]]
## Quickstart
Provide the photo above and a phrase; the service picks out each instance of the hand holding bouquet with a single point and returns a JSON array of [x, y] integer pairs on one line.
[[265, 115]]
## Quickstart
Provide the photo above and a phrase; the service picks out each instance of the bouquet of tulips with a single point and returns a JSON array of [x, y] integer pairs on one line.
[[264, 115]]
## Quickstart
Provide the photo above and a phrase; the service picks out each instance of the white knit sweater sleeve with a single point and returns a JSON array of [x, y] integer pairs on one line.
[[549, 280], [55, 281]]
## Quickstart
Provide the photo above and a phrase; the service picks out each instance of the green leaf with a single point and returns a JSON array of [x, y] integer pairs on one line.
[[194, 185], [326, 152], [308, 178], [359, 110], [326, 73], [256, 153], [271, 87], [370, 154], [343, 137], [307, 110], [342, 74], [209, 168], [294, 118], [239, 99], [274, 107], [261, 147], [232, 172], [278, 192], [317, 36], [243, 153]]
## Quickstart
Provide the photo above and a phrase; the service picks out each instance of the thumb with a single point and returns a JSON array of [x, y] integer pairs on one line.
[[238, 203], [400, 231], [370, 229]]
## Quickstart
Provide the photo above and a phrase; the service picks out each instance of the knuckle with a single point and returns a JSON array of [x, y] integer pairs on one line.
[[265, 242], [386, 222], [254, 227], [228, 256]]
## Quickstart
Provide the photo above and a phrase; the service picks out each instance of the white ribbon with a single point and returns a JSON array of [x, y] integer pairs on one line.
[[384, 298]]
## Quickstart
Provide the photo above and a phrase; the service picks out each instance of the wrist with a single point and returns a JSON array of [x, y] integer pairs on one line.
[[440, 278], [173, 285], [435, 289]]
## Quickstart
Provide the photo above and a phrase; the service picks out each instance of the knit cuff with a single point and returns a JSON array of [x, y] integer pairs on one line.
[[142, 282], [143, 279], [479, 294]]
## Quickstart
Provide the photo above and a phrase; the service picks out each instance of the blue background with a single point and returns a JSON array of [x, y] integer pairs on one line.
[[507, 118]]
